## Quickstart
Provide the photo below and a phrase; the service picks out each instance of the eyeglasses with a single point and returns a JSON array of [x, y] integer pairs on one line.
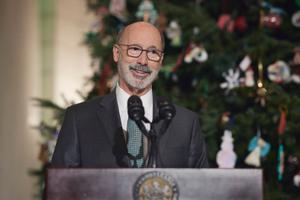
[[135, 51]]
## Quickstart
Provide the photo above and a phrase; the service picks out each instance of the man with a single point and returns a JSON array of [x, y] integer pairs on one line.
[[94, 133]]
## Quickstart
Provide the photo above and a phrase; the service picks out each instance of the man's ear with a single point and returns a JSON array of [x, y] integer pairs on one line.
[[116, 53]]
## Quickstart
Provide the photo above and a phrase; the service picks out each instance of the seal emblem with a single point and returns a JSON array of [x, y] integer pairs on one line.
[[155, 186]]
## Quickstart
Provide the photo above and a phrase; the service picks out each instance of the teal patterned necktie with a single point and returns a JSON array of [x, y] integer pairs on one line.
[[135, 144]]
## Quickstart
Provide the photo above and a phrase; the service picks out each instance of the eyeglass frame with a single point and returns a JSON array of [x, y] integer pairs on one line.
[[147, 51]]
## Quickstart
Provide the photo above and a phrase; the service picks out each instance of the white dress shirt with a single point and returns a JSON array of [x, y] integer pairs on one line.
[[122, 98]]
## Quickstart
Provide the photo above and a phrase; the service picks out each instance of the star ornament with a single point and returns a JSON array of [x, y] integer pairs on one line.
[[232, 79]]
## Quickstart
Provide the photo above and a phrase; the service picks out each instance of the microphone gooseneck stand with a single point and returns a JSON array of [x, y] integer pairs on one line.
[[136, 112]]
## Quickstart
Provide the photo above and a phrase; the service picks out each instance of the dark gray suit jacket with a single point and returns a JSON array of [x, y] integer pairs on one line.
[[92, 136]]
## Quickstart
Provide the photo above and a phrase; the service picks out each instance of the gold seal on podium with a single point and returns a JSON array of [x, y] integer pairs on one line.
[[155, 185]]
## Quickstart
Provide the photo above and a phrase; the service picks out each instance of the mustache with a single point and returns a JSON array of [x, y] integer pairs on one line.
[[142, 68]]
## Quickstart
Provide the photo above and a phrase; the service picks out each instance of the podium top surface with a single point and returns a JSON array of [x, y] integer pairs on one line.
[[190, 184]]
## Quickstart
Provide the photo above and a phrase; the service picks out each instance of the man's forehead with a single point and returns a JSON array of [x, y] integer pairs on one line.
[[142, 34]]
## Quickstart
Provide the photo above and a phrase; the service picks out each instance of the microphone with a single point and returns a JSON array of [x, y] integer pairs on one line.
[[166, 109], [166, 112], [136, 112], [135, 108]]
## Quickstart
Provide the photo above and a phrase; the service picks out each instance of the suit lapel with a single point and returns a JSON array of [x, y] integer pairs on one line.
[[108, 114]]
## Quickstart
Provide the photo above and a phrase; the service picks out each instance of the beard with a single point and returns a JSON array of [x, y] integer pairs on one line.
[[139, 83]]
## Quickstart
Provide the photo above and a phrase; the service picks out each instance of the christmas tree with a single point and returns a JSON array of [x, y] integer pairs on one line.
[[236, 63]]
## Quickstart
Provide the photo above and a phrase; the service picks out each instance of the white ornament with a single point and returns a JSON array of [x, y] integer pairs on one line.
[[245, 63], [249, 77], [232, 79], [254, 157], [297, 180], [118, 9], [173, 32], [279, 72], [296, 19], [147, 12], [197, 53], [226, 157], [295, 78]]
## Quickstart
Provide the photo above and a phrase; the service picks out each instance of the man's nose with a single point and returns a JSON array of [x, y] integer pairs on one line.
[[143, 59]]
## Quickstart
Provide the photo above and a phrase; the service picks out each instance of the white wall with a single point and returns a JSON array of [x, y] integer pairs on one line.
[[20, 79], [18, 82], [71, 56]]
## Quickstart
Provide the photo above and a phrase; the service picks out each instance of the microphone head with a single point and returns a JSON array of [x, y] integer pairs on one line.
[[135, 108], [166, 109]]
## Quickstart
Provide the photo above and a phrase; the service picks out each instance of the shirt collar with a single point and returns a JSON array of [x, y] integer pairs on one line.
[[122, 98]]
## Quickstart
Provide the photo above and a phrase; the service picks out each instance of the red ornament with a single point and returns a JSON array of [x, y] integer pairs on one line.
[[225, 22], [178, 62], [271, 20], [103, 10], [282, 122], [240, 23]]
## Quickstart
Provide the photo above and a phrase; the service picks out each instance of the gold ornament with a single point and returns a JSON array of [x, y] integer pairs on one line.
[[261, 91]]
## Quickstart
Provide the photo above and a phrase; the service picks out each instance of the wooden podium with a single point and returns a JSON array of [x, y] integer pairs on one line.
[[126, 184]]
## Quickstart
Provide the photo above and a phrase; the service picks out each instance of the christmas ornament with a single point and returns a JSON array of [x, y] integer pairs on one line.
[[225, 22], [296, 59], [245, 63], [297, 180], [118, 9], [271, 20], [292, 170], [225, 118], [195, 52], [272, 9], [282, 121], [147, 12], [254, 157], [295, 63], [232, 79], [280, 154], [249, 78], [258, 148], [178, 62], [103, 10], [97, 25], [261, 91], [240, 23], [226, 157], [173, 32], [279, 72], [295, 78], [245, 67], [280, 164], [264, 146], [296, 19]]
